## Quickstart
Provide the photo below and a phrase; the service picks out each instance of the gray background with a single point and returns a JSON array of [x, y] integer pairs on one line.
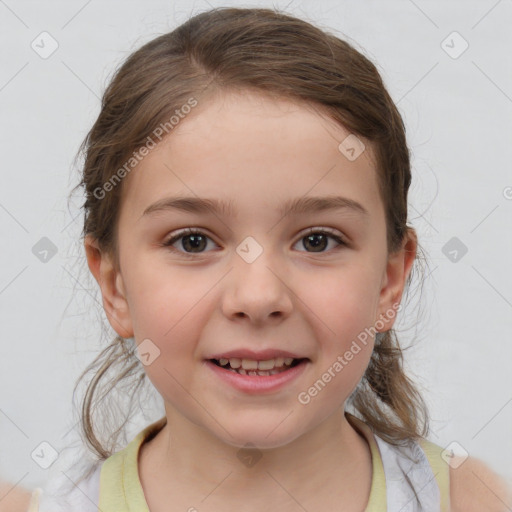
[[457, 110]]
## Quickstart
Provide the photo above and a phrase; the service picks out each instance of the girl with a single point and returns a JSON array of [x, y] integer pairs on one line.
[[246, 221]]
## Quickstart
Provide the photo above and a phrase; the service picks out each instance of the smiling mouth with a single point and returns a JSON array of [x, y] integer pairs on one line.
[[251, 371]]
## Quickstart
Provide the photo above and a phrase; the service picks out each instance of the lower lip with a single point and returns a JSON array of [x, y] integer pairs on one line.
[[258, 383]]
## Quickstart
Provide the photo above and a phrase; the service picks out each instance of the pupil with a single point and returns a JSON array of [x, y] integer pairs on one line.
[[195, 241], [311, 239]]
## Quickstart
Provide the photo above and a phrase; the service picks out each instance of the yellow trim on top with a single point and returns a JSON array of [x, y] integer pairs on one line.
[[33, 506], [377, 502], [121, 489], [440, 469], [120, 486]]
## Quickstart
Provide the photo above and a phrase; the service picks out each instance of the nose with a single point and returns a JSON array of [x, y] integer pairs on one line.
[[258, 291]]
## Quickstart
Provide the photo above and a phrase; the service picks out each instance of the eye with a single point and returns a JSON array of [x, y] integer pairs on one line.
[[318, 239], [191, 239], [194, 241]]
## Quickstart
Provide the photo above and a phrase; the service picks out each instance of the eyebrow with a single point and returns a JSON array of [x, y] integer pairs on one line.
[[301, 205]]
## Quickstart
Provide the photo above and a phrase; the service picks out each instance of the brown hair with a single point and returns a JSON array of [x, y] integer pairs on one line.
[[280, 55]]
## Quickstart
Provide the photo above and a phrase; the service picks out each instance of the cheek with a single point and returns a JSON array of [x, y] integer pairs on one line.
[[170, 315], [342, 302], [168, 305], [343, 310], [174, 332]]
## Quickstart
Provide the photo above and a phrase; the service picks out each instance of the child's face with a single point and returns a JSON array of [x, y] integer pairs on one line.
[[308, 296]]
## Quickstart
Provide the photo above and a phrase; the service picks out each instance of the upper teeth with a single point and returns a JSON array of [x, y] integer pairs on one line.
[[250, 364]]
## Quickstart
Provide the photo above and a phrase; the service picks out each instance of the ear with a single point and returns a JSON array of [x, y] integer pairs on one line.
[[398, 267], [112, 288]]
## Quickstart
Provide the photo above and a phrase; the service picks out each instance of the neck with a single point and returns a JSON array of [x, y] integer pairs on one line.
[[186, 457]]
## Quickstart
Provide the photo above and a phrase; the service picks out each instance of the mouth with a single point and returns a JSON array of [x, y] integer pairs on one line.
[[255, 368]]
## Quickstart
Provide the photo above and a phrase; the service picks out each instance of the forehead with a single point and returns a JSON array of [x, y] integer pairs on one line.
[[255, 152]]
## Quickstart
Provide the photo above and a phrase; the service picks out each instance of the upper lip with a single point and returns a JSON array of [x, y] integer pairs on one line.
[[263, 355]]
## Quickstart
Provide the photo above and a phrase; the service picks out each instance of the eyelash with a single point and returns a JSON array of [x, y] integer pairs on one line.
[[192, 231]]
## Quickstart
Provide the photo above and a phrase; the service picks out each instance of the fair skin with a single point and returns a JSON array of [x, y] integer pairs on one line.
[[13, 498], [475, 487], [257, 153]]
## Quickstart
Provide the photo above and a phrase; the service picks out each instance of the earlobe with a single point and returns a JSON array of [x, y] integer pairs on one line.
[[398, 268], [111, 286]]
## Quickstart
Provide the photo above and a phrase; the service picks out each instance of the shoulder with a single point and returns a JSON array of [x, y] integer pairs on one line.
[[13, 498], [475, 487]]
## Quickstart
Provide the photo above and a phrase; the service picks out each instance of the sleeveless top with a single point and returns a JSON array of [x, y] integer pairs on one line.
[[408, 478]]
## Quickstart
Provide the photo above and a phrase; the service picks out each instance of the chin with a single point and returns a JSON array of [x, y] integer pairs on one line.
[[262, 436]]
